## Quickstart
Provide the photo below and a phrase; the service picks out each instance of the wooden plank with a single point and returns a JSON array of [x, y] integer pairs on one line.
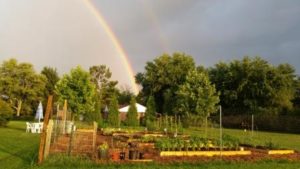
[[48, 138], [43, 134]]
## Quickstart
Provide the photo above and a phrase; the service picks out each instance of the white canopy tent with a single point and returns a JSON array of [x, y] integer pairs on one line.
[[140, 108]]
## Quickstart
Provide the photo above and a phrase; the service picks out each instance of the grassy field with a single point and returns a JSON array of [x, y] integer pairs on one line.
[[19, 150], [291, 141]]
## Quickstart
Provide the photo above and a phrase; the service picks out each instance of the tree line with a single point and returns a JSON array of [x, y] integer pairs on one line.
[[171, 85]]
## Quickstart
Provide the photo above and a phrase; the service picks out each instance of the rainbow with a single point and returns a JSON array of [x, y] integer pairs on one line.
[[115, 42]]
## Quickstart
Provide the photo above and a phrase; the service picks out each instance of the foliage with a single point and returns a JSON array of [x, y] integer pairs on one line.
[[197, 97], [51, 79], [132, 114], [124, 96], [101, 77], [21, 85], [230, 142], [150, 114], [6, 113], [162, 78], [103, 146], [78, 90], [271, 145], [113, 114], [254, 85]]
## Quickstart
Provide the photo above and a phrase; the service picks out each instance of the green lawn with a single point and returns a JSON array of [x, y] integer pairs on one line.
[[282, 140], [19, 150]]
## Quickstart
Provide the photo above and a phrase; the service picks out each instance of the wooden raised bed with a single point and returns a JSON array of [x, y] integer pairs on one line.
[[204, 153], [280, 152]]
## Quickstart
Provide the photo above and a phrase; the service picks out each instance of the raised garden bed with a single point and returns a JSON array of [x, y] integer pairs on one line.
[[273, 152], [204, 153]]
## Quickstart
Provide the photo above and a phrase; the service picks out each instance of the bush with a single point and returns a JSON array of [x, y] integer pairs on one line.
[[6, 113]]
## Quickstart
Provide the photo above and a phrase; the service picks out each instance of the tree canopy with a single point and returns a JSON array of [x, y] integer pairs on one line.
[[162, 78], [21, 85], [254, 85], [78, 90]]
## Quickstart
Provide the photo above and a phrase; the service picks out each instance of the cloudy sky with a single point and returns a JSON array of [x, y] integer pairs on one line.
[[64, 33]]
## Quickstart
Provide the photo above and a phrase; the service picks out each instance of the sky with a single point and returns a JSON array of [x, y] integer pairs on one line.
[[64, 33]]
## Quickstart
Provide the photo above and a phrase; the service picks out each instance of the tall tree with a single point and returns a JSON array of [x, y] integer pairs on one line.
[[21, 85], [150, 114], [132, 114], [197, 96], [162, 78], [101, 77], [52, 78], [78, 90], [113, 112]]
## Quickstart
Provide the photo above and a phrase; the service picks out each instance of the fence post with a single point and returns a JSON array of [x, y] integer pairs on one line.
[[71, 140], [48, 138], [95, 135], [43, 134]]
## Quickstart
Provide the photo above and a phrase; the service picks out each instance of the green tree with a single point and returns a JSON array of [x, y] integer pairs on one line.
[[124, 96], [150, 114], [6, 113], [21, 85], [197, 96], [78, 90], [113, 112], [101, 77], [132, 114], [52, 78], [252, 85], [162, 78]]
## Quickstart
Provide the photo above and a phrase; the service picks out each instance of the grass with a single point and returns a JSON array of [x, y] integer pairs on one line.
[[19, 150], [77, 163], [282, 140]]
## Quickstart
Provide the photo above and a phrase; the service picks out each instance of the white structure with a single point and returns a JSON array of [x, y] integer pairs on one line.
[[140, 109]]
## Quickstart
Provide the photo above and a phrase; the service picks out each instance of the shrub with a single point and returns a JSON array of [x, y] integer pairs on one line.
[[6, 113]]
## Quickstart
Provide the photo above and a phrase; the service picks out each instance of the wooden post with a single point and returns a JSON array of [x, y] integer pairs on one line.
[[64, 117], [43, 134], [95, 135], [48, 138], [71, 140]]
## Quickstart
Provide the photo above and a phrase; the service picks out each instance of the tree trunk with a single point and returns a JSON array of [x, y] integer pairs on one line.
[[19, 107]]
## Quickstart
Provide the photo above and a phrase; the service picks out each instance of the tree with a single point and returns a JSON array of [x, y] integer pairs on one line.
[[197, 96], [21, 85], [101, 77], [132, 114], [124, 96], [113, 112], [162, 78], [150, 114], [52, 78], [6, 113], [252, 85], [78, 90]]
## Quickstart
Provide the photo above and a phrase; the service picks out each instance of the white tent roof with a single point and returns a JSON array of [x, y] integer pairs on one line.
[[140, 108]]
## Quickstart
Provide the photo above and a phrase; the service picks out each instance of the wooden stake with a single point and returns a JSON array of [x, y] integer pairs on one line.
[[44, 131]]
